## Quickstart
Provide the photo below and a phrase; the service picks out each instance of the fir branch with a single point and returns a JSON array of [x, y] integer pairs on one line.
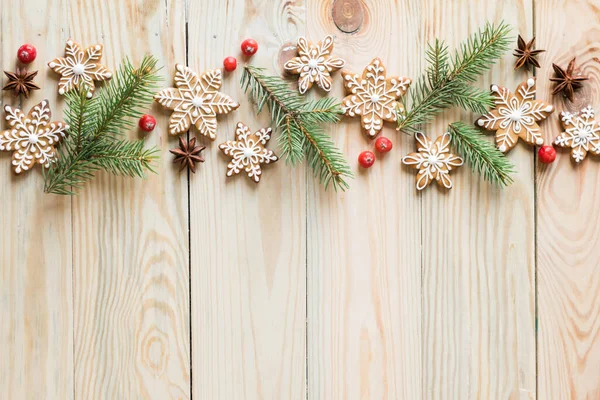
[[483, 157], [96, 129], [445, 85], [298, 123]]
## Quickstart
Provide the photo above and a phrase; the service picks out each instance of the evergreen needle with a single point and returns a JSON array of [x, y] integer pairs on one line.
[[483, 157], [298, 123]]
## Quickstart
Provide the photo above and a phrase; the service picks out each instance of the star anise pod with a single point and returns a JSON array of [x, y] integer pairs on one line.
[[526, 54], [188, 154], [21, 81], [566, 82]]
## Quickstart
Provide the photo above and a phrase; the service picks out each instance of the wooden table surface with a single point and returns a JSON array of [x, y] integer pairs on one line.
[[213, 288]]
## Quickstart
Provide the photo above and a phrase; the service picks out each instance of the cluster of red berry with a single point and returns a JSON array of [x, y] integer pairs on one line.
[[382, 145], [249, 48]]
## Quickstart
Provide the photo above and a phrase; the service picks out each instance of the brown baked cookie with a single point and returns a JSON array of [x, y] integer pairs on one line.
[[31, 137], [373, 97], [314, 64], [516, 116], [248, 151]]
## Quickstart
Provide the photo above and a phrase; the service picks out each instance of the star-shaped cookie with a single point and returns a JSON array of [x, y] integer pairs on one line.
[[516, 116], [248, 151], [581, 135], [433, 160], [314, 64], [31, 137], [80, 67], [195, 101], [373, 96]]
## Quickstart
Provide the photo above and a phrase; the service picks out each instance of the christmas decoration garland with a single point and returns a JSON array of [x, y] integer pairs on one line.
[[447, 83], [96, 127], [298, 123]]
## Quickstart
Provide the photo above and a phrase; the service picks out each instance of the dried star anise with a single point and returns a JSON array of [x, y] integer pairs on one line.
[[188, 154], [566, 82], [526, 54], [21, 81]]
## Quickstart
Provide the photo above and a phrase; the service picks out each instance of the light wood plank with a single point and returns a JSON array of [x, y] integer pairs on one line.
[[248, 256], [568, 218], [478, 246], [131, 281], [364, 260], [36, 309]]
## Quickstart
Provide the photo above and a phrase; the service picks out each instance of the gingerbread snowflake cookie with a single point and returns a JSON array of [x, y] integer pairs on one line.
[[516, 116], [31, 137], [373, 96], [79, 67], [314, 64], [195, 100], [433, 161], [581, 135], [248, 151]]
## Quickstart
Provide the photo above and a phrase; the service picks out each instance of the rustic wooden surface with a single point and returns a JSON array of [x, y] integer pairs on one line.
[[204, 287]]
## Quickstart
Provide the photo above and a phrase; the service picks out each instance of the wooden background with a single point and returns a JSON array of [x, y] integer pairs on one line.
[[198, 286]]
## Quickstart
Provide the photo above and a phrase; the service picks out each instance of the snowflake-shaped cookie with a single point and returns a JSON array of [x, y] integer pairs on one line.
[[196, 100], [31, 137], [314, 64], [516, 115], [582, 133], [373, 97], [248, 151], [433, 160], [80, 66]]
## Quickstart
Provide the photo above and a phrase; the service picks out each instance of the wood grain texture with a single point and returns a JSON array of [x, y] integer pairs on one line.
[[364, 260], [568, 231], [36, 315], [248, 261], [478, 246], [130, 278]]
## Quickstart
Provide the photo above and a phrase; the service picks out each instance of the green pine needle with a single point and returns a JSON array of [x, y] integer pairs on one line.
[[446, 82], [298, 123], [96, 130], [483, 157]]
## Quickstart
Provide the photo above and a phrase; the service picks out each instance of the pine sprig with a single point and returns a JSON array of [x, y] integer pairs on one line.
[[446, 82], [298, 123], [483, 157], [97, 125]]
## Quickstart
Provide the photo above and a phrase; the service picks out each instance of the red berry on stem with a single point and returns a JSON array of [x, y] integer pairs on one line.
[[249, 47], [366, 159], [383, 144], [147, 123], [26, 53], [230, 64], [547, 154]]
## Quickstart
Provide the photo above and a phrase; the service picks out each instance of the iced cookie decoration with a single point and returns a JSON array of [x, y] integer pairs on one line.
[[581, 135], [433, 161], [248, 151], [516, 116], [79, 67], [373, 97], [314, 64], [31, 137], [195, 100]]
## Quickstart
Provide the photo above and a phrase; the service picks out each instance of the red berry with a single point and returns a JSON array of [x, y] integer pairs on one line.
[[26, 53], [547, 154], [230, 64], [249, 47], [147, 123], [383, 144], [366, 159]]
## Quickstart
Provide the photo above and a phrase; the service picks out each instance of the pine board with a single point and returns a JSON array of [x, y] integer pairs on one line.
[[210, 287]]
